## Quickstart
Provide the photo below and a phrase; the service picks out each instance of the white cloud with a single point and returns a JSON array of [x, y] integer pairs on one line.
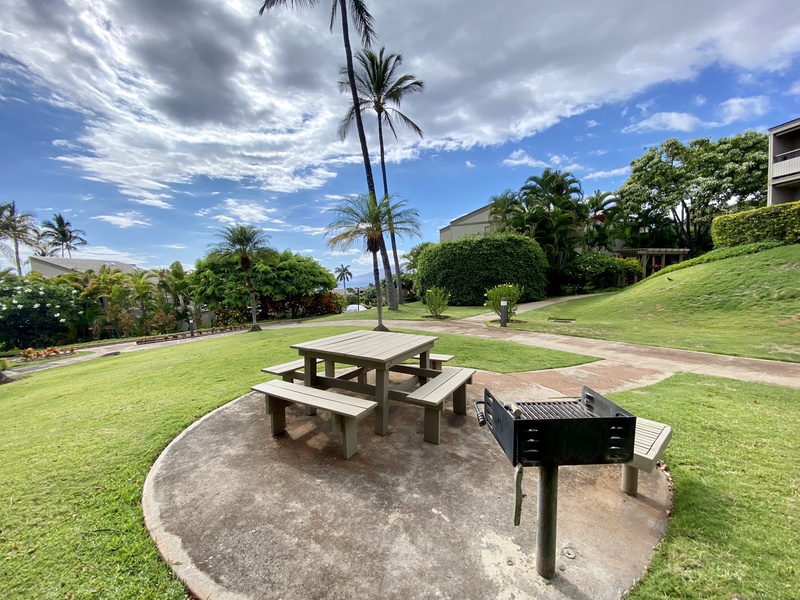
[[124, 220], [469, 164], [740, 109], [621, 172], [669, 121], [520, 158], [592, 123]]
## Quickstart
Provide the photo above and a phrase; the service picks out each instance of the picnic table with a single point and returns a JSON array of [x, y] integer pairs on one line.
[[367, 350]]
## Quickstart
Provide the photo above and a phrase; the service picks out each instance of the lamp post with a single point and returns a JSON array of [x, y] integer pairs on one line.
[[191, 320], [503, 311]]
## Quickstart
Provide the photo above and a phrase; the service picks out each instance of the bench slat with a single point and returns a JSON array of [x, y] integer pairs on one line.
[[438, 388], [285, 368], [339, 404]]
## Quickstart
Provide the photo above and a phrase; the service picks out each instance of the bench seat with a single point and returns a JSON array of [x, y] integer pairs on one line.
[[431, 396], [346, 411], [288, 371], [649, 444], [437, 360]]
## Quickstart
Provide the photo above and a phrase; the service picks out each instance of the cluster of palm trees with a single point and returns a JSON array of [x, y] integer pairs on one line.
[[374, 84], [19, 229], [551, 209]]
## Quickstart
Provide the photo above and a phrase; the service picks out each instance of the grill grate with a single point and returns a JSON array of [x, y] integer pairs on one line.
[[572, 409]]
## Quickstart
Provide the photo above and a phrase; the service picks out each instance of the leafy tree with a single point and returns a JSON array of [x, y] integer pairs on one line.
[[61, 233], [502, 209], [692, 184], [601, 224], [290, 280], [343, 274], [17, 227], [381, 89], [356, 221], [245, 243]]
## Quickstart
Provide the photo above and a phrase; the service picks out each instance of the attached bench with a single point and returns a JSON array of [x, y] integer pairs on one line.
[[649, 444], [452, 380], [346, 411], [437, 360], [288, 371]]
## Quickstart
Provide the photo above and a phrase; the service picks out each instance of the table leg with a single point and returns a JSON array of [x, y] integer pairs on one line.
[[382, 398], [310, 379], [425, 363]]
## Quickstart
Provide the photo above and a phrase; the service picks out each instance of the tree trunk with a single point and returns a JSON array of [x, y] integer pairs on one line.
[[16, 256], [354, 92], [376, 273], [392, 238], [391, 296], [253, 307]]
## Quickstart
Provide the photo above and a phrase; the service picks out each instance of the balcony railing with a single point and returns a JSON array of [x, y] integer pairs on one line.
[[786, 166]]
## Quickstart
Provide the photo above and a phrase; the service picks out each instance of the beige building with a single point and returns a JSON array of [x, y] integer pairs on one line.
[[475, 222], [52, 266], [784, 163]]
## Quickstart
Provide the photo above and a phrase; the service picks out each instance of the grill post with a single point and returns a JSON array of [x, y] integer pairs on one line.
[[547, 515]]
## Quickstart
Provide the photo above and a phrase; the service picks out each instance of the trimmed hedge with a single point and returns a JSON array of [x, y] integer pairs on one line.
[[780, 222], [467, 267], [597, 271]]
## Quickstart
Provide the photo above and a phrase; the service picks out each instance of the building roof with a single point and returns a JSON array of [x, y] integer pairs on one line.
[[81, 265]]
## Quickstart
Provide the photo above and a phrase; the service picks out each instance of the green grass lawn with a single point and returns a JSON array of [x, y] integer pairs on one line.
[[77, 443], [743, 306], [411, 311], [734, 460]]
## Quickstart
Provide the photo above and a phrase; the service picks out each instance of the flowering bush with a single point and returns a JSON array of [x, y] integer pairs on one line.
[[34, 312], [510, 291], [437, 300]]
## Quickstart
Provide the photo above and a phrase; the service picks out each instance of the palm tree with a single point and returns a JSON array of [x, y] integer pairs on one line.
[[42, 245], [381, 90], [343, 274], [61, 233], [245, 243], [400, 220], [360, 220], [362, 20], [502, 208], [18, 228]]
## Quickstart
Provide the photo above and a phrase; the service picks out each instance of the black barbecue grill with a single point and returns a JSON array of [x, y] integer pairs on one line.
[[590, 430]]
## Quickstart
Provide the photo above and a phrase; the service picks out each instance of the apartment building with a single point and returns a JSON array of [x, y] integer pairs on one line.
[[784, 163]]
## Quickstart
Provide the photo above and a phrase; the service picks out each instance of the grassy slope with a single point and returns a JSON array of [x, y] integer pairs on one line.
[[744, 306], [733, 458], [77, 443]]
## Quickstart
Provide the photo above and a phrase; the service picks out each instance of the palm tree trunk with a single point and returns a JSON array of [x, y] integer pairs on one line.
[[253, 307], [377, 275], [392, 238], [16, 256], [391, 296], [354, 92]]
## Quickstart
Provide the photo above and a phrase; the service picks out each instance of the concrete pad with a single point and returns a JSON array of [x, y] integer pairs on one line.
[[238, 513]]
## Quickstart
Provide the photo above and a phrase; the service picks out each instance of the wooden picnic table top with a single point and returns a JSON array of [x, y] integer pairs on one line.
[[377, 348]]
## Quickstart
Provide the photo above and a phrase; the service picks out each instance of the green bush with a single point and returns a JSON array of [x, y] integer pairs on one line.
[[437, 301], [511, 292], [34, 312], [780, 223], [3, 364], [467, 267], [597, 271]]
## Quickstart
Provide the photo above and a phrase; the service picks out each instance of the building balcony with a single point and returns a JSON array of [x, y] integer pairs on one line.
[[786, 164]]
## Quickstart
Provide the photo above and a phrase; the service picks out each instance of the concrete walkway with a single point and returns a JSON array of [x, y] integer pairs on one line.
[[240, 514]]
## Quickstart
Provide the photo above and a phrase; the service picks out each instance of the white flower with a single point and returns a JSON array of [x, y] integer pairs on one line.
[[62, 320], [57, 315], [36, 305]]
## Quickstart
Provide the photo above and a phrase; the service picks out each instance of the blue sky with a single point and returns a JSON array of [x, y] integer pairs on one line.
[[151, 124]]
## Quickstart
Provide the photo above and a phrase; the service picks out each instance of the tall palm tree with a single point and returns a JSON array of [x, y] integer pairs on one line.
[[63, 234], [42, 244], [343, 274], [502, 208], [381, 89], [17, 227], [360, 220], [245, 243], [363, 21]]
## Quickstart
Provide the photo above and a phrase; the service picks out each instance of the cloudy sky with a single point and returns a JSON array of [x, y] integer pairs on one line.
[[152, 124]]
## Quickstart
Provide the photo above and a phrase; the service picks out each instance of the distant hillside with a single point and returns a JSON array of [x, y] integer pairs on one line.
[[747, 305]]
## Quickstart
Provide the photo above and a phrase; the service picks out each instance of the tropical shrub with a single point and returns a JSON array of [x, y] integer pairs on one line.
[[467, 267], [34, 312], [437, 301], [780, 222], [511, 292], [596, 271]]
